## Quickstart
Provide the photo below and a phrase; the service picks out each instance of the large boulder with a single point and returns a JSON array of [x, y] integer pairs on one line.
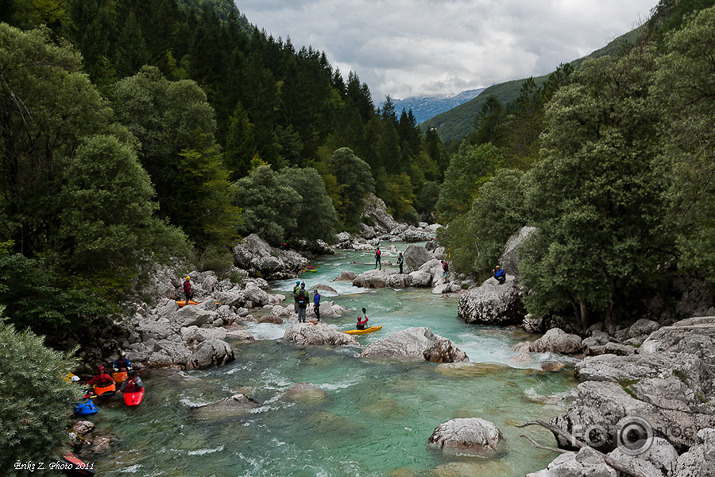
[[372, 279], [493, 304], [420, 278], [345, 276], [212, 352], [642, 327], [699, 461], [398, 280], [415, 343], [570, 464], [257, 256], [416, 256], [318, 334], [467, 433], [557, 341], [376, 210], [509, 259]]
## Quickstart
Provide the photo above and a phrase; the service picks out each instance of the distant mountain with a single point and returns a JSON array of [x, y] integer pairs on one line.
[[456, 123], [426, 107]]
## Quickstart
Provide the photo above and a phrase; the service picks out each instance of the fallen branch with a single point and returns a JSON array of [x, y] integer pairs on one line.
[[580, 444], [549, 448]]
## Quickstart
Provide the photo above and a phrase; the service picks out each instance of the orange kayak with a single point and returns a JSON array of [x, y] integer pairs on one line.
[[183, 302], [119, 376], [108, 390]]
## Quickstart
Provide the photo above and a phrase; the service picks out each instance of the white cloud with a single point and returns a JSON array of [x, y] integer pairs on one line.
[[410, 47]]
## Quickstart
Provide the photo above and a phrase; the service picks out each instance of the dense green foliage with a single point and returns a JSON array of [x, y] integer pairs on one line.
[[36, 401], [619, 167]]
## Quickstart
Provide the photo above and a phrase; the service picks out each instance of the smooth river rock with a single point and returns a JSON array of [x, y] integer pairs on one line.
[[415, 343], [466, 433], [318, 334]]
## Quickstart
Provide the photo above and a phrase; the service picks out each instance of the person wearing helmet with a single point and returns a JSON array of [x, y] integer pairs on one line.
[[133, 383], [362, 320], [303, 298], [101, 378], [187, 289], [122, 364], [296, 289], [316, 304]]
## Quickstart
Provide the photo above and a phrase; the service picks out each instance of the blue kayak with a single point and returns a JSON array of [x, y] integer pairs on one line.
[[85, 408]]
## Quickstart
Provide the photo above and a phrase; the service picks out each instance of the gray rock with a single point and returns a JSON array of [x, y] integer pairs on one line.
[[196, 334], [415, 343], [420, 279], [346, 276], [533, 324], [375, 209], [509, 259], [398, 280], [318, 334], [659, 459], [699, 460], [558, 341], [235, 405], [323, 287], [585, 463], [256, 255], [642, 327], [416, 256], [305, 393], [493, 304], [467, 433], [372, 279], [619, 349], [211, 352]]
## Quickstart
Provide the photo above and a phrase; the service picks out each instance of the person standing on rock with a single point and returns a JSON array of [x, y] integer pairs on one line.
[[445, 269], [378, 257], [296, 289], [187, 289], [362, 320], [303, 298], [316, 304], [400, 261], [499, 274]]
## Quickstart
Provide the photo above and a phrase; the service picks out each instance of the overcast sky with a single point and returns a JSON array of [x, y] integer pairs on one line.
[[406, 48]]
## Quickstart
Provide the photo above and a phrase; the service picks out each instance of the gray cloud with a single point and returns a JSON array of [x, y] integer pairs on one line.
[[410, 47]]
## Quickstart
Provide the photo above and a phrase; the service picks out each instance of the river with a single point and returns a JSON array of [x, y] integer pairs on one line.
[[376, 415]]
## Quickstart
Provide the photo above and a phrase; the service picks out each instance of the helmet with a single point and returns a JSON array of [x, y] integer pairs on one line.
[[101, 368], [74, 379], [188, 277], [131, 372], [297, 282], [302, 285]]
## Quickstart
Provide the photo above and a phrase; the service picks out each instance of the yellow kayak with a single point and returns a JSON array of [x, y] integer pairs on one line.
[[372, 329]]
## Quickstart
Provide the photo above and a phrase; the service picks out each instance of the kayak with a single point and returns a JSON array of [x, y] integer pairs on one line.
[[105, 391], [183, 302], [134, 399], [119, 376], [85, 408], [372, 329], [73, 465]]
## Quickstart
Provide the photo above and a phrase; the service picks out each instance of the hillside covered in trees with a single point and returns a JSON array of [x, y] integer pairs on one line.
[[135, 132], [612, 162]]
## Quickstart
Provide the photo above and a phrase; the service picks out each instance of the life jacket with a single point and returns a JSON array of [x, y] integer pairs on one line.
[[316, 299], [132, 386], [377, 254], [361, 321], [187, 286], [445, 267]]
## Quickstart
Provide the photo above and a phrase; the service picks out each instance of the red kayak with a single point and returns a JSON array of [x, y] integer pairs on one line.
[[134, 399]]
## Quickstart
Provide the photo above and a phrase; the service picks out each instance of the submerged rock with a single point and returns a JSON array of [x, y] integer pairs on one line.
[[305, 392], [467, 433], [415, 343], [231, 406]]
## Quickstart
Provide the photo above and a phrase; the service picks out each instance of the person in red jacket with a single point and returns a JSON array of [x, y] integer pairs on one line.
[[187, 289], [362, 320], [100, 378]]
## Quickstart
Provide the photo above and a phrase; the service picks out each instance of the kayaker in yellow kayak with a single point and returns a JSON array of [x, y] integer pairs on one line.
[[362, 320]]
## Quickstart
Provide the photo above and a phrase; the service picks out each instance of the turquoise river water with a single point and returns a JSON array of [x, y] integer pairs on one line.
[[375, 418]]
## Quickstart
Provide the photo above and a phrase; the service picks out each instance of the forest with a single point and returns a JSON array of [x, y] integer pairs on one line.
[[135, 132]]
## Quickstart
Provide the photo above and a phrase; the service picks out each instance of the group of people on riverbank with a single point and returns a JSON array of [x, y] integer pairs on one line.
[[301, 297]]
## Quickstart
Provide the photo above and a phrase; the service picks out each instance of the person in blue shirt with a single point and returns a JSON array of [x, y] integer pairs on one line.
[[499, 275], [316, 304], [122, 364]]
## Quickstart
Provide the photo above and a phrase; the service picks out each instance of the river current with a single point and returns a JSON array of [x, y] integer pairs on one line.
[[375, 416]]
